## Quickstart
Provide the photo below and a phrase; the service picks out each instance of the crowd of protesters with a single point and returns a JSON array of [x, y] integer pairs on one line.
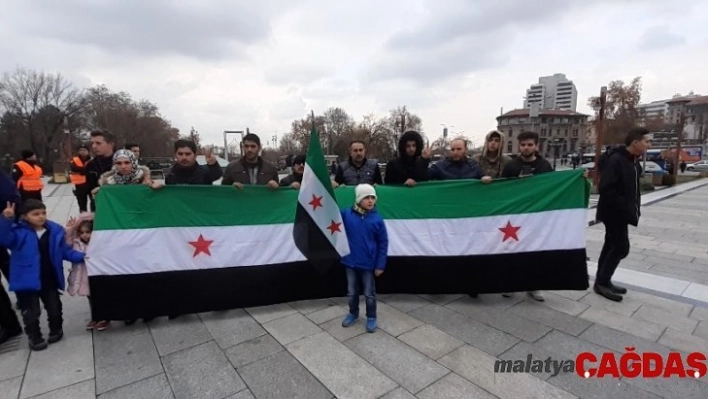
[[38, 247]]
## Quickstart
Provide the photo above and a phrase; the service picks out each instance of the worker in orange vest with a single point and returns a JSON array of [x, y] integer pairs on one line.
[[28, 176], [78, 178]]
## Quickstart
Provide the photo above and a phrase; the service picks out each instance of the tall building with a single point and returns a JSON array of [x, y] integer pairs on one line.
[[553, 92], [563, 129]]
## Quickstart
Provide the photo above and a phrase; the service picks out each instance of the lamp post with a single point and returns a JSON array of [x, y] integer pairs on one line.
[[556, 144], [600, 130], [275, 140]]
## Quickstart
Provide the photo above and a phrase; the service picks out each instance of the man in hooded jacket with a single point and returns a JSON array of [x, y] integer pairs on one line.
[[492, 159], [411, 166]]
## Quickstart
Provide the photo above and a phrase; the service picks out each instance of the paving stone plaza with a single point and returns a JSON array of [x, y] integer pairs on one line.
[[426, 346]]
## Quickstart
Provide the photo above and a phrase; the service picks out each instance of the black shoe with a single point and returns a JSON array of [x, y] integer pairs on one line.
[[37, 343], [172, 317], [607, 293], [55, 336], [148, 319], [618, 289], [473, 295], [129, 322]]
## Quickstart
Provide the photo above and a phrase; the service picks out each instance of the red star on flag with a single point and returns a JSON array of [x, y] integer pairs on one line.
[[334, 227], [201, 245], [510, 231], [316, 201]]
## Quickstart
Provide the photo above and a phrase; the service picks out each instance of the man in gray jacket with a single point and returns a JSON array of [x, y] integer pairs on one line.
[[357, 169]]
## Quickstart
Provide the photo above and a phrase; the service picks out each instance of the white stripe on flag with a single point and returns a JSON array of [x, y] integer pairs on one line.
[[119, 252]]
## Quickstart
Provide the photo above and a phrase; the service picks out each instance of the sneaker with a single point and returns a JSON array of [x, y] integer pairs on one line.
[[102, 325], [537, 295], [370, 324], [55, 336], [129, 322], [6, 334], [90, 325], [507, 294], [172, 317], [349, 320]]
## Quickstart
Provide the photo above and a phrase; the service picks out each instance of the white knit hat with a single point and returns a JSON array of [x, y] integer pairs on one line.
[[364, 190]]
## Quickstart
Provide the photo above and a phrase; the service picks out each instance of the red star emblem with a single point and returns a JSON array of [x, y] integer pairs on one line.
[[334, 227], [201, 245], [316, 201], [510, 231]]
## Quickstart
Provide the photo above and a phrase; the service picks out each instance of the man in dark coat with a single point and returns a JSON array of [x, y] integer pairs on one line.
[[411, 166], [186, 170], [294, 179], [618, 207]]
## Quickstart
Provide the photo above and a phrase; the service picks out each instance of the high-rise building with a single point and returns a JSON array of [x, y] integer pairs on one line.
[[553, 92]]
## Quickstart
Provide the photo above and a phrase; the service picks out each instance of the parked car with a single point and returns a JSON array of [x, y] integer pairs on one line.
[[650, 167], [697, 166]]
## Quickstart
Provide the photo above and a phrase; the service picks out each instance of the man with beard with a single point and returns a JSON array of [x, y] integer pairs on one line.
[[251, 169], [28, 176], [357, 169], [187, 171], [294, 179], [103, 146], [78, 177], [528, 163], [492, 160], [411, 166]]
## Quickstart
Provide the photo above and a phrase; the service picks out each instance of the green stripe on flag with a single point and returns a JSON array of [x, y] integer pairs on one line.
[[139, 207]]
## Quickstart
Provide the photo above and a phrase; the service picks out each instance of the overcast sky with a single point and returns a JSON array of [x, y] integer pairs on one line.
[[219, 65]]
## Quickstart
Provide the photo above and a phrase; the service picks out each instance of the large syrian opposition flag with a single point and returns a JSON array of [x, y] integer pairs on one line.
[[186, 249], [318, 231]]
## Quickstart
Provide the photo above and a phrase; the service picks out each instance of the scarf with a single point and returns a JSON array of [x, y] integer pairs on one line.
[[135, 174]]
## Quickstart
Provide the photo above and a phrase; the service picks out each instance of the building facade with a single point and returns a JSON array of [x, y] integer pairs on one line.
[[566, 128], [553, 92]]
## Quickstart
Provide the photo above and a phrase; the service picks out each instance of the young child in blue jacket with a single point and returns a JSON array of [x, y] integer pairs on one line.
[[368, 245], [36, 270]]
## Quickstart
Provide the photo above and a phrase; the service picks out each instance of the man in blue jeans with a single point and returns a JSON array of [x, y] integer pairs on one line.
[[365, 231]]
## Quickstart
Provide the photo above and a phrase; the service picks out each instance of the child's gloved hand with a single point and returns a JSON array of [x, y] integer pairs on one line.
[[378, 272]]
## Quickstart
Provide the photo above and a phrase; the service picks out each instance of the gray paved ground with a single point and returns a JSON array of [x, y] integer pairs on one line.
[[427, 346]]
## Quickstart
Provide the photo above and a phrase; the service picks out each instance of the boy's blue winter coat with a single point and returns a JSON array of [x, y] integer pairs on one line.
[[25, 263], [368, 240]]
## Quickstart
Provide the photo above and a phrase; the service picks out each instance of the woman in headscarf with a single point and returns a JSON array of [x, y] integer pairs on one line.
[[126, 171]]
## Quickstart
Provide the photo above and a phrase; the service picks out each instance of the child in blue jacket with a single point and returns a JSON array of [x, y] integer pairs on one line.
[[368, 245], [36, 271]]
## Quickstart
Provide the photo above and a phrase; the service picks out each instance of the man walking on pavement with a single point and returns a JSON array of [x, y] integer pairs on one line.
[[28, 176], [618, 207], [492, 159], [357, 169], [103, 146], [78, 178], [411, 166]]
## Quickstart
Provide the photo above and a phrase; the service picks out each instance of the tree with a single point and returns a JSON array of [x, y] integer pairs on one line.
[[300, 130], [288, 145], [621, 112], [37, 104], [194, 137]]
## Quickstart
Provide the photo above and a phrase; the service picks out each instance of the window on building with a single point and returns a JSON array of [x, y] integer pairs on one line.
[[543, 119], [565, 132], [509, 146], [511, 133]]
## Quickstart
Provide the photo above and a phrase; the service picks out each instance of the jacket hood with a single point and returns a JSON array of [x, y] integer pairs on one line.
[[502, 144], [409, 136]]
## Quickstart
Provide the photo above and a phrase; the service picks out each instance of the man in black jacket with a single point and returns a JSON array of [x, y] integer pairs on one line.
[[187, 171], [411, 166], [103, 146], [9, 324], [618, 207], [294, 179]]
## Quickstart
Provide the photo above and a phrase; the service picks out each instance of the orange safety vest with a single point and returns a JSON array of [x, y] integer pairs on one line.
[[31, 179], [75, 177]]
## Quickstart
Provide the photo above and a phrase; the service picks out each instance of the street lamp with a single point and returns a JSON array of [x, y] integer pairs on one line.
[[599, 106], [556, 144], [226, 144], [275, 140]]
